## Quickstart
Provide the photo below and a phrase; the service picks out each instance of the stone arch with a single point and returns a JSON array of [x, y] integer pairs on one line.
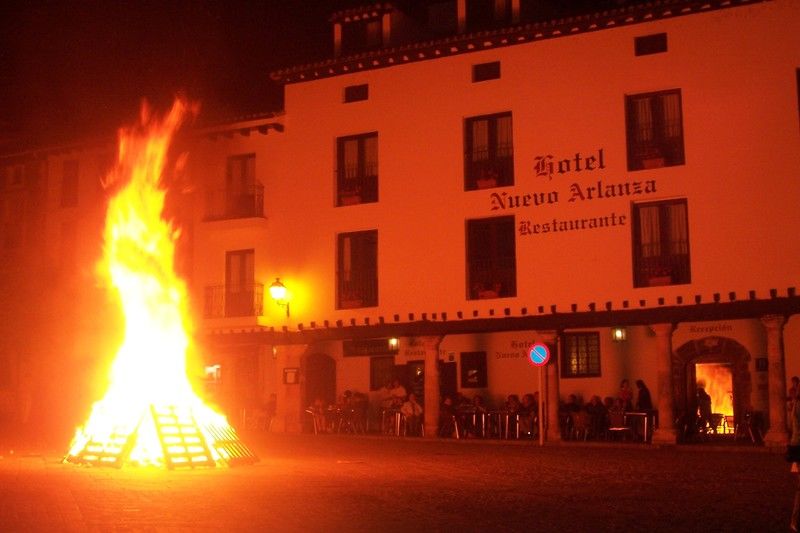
[[711, 349]]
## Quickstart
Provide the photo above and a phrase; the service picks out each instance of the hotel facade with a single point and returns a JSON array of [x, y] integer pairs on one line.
[[461, 181]]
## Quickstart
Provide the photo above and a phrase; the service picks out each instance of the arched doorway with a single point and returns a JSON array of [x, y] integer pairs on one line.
[[722, 365]]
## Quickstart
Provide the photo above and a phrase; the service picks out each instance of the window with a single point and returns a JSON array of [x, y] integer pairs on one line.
[[650, 44], [356, 93], [244, 197], [381, 371], [357, 169], [660, 243], [357, 270], [580, 357], [489, 157], [69, 184], [486, 71], [486, 14], [491, 258], [473, 370], [358, 36], [655, 129], [243, 297]]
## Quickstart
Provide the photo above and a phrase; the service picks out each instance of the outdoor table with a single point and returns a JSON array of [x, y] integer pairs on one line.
[[644, 416]]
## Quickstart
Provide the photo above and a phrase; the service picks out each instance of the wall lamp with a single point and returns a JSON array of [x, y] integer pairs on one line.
[[278, 292], [619, 334]]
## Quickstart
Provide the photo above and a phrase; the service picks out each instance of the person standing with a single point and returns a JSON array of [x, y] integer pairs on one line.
[[643, 400]]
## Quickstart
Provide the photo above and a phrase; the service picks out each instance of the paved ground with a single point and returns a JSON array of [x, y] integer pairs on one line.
[[346, 483]]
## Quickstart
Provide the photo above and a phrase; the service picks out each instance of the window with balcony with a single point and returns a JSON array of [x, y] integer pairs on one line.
[[241, 296], [654, 129], [580, 356], [357, 169], [242, 196], [489, 154], [357, 270], [491, 258], [660, 243]]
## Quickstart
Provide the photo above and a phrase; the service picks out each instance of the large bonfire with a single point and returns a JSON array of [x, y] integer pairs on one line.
[[150, 414]]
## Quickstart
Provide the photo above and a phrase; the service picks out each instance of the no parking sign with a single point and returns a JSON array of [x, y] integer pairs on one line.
[[538, 354]]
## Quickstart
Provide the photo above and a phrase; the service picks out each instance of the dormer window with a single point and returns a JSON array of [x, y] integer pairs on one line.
[[487, 14], [363, 34]]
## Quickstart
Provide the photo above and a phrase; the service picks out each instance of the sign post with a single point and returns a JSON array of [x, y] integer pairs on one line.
[[538, 356]]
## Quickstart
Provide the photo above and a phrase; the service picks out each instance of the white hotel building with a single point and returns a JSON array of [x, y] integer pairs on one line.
[[470, 177]]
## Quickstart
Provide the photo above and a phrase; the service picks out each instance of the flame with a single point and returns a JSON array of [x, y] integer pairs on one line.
[[149, 369], [718, 382]]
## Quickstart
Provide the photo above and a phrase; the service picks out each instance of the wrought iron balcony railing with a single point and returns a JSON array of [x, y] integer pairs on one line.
[[223, 301], [224, 204]]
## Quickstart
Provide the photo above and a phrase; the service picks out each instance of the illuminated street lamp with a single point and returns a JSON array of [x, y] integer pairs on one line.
[[278, 292]]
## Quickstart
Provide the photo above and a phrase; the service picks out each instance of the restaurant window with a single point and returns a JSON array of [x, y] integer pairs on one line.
[[489, 152], [356, 93], [357, 169], [580, 356], [654, 130], [357, 270], [473, 370], [486, 71], [491, 258], [243, 296], [381, 371], [650, 44], [660, 243], [69, 184]]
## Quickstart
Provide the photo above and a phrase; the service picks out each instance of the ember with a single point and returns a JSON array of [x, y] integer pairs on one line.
[[150, 415]]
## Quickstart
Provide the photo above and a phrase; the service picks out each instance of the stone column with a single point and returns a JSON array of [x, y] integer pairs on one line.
[[666, 433], [515, 14], [337, 39], [289, 404], [551, 386], [432, 389], [777, 435], [461, 14]]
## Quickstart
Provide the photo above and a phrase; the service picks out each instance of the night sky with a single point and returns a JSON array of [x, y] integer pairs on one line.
[[73, 70]]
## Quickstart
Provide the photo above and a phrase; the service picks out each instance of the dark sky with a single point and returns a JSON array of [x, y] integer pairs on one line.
[[70, 70]]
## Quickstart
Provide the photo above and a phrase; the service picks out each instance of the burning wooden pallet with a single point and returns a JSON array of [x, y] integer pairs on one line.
[[184, 443]]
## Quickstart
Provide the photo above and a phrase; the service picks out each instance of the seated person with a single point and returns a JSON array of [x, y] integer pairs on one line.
[[598, 421], [412, 411], [527, 414]]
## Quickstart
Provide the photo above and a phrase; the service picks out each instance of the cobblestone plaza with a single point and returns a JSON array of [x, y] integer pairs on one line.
[[347, 483]]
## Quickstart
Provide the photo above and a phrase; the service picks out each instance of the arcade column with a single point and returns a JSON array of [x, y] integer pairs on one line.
[[432, 391], [777, 435], [552, 428], [289, 387], [666, 433]]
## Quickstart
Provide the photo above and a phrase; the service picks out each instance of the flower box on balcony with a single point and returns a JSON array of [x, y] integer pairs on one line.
[[351, 303], [653, 162], [486, 183], [350, 199]]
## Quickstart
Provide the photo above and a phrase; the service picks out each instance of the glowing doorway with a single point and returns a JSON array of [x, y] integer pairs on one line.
[[717, 378]]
